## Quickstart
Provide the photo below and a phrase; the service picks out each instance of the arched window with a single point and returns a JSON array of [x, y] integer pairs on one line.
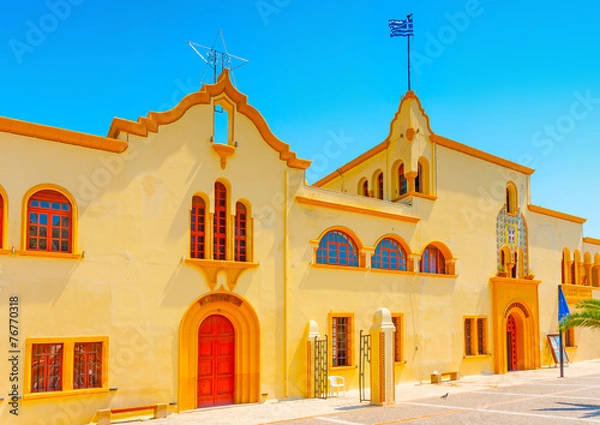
[[402, 183], [433, 261], [49, 222], [1, 220], [198, 228], [363, 187], [576, 279], [338, 248], [511, 198], [389, 255], [240, 244], [380, 185], [514, 272], [220, 223], [418, 179]]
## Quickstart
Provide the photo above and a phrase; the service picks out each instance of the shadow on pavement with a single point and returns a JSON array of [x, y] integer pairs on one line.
[[593, 409]]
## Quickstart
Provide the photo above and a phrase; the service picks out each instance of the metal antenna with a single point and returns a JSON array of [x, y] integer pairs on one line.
[[216, 59]]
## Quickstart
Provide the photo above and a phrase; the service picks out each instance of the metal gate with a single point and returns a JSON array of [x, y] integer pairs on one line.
[[321, 364], [364, 367]]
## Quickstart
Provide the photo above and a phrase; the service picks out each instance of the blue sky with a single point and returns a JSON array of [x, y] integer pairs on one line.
[[516, 79]]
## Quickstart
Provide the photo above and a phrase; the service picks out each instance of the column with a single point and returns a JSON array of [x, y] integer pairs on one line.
[[383, 385], [313, 332]]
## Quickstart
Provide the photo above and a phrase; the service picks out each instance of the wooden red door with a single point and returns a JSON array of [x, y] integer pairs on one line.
[[216, 349], [511, 343]]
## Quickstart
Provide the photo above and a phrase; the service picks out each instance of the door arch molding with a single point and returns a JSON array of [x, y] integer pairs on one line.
[[247, 342], [527, 339]]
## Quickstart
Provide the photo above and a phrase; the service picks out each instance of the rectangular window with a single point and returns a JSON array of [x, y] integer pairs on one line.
[[87, 365], [475, 332], [220, 222], [398, 320], [240, 232], [198, 228], [46, 367], [341, 341], [481, 336], [570, 337], [469, 337], [65, 364]]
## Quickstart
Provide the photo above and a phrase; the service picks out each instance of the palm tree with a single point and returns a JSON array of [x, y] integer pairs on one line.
[[587, 315]]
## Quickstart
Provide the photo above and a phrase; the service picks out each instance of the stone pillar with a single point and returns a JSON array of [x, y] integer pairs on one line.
[[313, 332], [383, 382]]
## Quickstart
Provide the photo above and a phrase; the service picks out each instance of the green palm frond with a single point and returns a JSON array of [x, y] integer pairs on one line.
[[586, 315]]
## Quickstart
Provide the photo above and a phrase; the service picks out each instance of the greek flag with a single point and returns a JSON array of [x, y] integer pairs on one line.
[[563, 307], [401, 27]]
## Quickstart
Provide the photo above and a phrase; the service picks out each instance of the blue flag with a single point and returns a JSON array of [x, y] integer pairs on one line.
[[563, 307], [401, 27]]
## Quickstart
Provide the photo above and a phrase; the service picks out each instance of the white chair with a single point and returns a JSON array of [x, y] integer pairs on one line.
[[335, 383]]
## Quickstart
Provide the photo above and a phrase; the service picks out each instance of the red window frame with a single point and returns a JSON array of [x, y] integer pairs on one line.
[[380, 185], [220, 223], [469, 337], [198, 228], [402, 182], [418, 187], [241, 232], [87, 365], [337, 248], [341, 328], [389, 255], [365, 188], [397, 321], [46, 367], [433, 261], [570, 337], [1, 219], [481, 329], [572, 273], [49, 222]]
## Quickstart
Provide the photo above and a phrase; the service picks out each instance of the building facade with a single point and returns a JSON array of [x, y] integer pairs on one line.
[[171, 263]]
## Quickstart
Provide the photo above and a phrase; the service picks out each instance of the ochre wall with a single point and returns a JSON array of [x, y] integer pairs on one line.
[[132, 280]]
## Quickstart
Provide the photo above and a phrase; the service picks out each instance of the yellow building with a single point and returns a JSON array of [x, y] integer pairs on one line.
[[164, 265]]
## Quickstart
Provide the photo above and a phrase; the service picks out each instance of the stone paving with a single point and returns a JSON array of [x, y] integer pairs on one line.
[[281, 411]]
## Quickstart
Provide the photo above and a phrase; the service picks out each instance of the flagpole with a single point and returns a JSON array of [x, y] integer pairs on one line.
[[408, 22], [560, 355], [408, 51], [560, 342]]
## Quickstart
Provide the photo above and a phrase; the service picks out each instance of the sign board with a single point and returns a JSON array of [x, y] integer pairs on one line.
[[554, 340]]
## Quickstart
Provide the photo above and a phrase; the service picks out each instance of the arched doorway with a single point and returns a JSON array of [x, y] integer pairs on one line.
[[512, 353], [222, 321], [216, 361]]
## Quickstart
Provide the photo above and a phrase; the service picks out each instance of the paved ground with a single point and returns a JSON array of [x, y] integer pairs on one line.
[[527, 397]]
